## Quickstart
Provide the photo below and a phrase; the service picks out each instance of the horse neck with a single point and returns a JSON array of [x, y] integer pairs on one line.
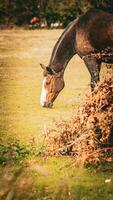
[[64, 49]]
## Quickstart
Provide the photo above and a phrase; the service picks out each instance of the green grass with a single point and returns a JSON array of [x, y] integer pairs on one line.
[[22, 119], [55, 179]]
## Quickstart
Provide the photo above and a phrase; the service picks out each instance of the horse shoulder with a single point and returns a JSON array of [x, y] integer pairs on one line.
[[94, 31]]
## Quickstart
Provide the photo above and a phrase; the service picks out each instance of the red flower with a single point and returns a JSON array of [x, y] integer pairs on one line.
[[35, 19]]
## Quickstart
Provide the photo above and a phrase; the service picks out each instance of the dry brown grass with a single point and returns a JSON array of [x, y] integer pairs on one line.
[[88, 136]]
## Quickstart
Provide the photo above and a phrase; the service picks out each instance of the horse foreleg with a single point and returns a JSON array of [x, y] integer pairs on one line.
[[93, 66]]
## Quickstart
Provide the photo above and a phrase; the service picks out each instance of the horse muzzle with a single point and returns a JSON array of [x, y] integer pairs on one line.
[[47, 105]]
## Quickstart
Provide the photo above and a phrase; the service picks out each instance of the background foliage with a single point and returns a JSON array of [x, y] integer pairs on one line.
[[19, 12]]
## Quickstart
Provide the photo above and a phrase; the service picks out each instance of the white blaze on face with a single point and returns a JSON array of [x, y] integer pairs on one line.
[[43, 93]]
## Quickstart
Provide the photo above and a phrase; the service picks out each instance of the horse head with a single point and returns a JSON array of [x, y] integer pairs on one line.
[[53, 83]]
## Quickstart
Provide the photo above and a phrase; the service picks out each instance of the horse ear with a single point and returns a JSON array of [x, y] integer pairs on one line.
[[48, 69], [43, 67]]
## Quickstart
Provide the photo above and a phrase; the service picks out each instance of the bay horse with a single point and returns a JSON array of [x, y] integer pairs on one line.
[[91, 37]]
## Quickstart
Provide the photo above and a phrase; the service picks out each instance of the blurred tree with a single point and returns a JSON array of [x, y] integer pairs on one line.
[[6, 11], [24, 10], [42, 4], [20, 12], [106, 5], [52, 12]]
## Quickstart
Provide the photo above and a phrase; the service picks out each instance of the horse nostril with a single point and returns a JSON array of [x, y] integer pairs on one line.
[[50, 104], [47, 105]]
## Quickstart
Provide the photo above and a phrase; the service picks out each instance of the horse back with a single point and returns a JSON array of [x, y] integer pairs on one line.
[[94, 31]]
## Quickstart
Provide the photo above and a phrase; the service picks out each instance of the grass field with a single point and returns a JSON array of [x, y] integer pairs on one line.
[[23, 119], [21, 77]]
